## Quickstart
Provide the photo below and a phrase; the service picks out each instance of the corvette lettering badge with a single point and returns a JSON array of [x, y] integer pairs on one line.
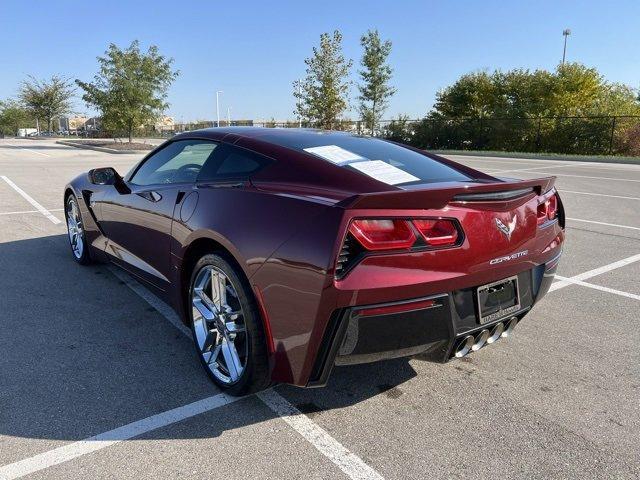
[[509, 257]]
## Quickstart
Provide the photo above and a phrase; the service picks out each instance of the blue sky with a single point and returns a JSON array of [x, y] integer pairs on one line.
[[254, 50]]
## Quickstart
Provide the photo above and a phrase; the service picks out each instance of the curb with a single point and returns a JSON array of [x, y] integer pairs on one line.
[[99, 149], [523, 156]]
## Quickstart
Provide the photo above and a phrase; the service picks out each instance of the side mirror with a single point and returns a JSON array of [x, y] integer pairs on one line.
[[108, 176], [103, 176]]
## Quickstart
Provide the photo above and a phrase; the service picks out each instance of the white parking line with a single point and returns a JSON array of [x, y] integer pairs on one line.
[[510, 160], [596, 178], [30, 150], [31, 211], [599, 287], [88, 445], [24, 195], [535, 168], [565, 282], [348, 462], [626, 167], [599, 195], [603, 223]]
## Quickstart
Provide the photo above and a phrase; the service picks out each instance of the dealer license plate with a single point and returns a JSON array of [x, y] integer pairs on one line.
[[498, 299]]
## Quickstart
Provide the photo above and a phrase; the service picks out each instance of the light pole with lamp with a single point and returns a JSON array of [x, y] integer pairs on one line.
[[218, 107], [566, 32]]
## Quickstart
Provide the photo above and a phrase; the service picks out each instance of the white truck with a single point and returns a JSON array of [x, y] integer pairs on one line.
[[27, 132]]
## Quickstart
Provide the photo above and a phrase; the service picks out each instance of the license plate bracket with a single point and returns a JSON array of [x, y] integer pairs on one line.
[[498, 299]]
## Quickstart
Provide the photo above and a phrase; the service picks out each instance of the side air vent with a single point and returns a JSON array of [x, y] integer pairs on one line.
[[348, 256], [492, 196]]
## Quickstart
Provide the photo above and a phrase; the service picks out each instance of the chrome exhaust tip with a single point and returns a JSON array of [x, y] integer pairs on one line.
[[480, 340], [496, 332], [464, 346], [511, 324]]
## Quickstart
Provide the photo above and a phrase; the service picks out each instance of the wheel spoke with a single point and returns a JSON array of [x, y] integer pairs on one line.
[[205, 299], [218, 290], [210, 341], [214, 354], [231, 359], [203, 308], [233, 327]]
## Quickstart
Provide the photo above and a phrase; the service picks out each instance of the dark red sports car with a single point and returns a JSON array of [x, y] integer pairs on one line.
[[290, 251]]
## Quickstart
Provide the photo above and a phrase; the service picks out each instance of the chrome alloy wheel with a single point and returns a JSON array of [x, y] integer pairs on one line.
[[218, 323], [74, 227]]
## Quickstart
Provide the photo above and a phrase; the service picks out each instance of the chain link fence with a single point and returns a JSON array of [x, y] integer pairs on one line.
[[595, 135]]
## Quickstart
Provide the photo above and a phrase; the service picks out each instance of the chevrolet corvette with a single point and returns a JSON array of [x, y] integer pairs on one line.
[[289, 251]]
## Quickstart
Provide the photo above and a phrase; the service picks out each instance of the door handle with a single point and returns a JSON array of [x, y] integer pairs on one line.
[[151, 196]]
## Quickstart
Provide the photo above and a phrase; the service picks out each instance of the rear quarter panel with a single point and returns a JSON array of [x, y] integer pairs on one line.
[[285, 246]]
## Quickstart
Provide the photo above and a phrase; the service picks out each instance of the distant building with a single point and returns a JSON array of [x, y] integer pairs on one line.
[[93, 123], [164, 123], [73, 123]]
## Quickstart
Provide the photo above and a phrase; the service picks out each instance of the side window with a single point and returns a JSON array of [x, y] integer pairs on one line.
[[232, 162], [178, 162]]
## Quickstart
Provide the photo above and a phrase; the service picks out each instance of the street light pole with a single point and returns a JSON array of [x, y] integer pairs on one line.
[[218, 107], [228, 116], [300, 97], [566, 32]]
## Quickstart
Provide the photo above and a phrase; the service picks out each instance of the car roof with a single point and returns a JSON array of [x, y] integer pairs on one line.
[[263, 133], [295, 166]]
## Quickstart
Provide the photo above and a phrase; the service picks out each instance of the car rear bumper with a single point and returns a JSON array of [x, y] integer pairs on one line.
[[431, 326]]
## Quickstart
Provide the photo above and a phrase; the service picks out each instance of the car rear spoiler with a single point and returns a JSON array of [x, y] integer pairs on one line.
[[438, 195]]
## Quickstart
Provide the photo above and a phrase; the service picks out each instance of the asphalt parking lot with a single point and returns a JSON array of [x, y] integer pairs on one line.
[[87, 353]]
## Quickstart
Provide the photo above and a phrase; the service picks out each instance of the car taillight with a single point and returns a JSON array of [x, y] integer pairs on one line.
[[542, 213], [548, 209], [552, 207], [437, 232], [383, 234]]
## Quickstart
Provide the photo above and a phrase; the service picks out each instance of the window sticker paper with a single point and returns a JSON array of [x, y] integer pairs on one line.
[[334, 154], [384, 172]]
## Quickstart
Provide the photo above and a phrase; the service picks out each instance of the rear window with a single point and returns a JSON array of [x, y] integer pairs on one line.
[[384, 161]]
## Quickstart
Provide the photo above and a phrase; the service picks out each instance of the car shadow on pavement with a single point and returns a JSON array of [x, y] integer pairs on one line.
[[83, 354]]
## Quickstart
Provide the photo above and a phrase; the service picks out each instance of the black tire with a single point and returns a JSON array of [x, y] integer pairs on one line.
[[255, 376], [83, 257]]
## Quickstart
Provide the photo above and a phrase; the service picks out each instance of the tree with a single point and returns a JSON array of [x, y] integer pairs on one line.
[[47, 100], [14, 116], [131, 88], [375, 90], [571, 90], [399, 130], [321, 97], [568, 110]]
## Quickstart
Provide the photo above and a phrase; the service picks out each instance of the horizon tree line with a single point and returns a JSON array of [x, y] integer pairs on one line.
[[130, 90]]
